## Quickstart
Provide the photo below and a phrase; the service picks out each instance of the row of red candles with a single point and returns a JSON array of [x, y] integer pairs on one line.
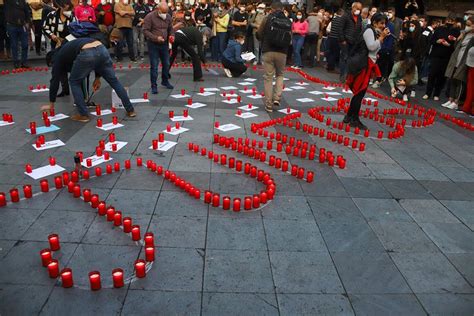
[[22, 70]]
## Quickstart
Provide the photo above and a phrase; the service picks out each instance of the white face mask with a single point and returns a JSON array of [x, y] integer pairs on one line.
[[299, 17], [411, 29], [103, 2], [157, 1], [67, 13], [162, 15], [390, 16], [187, 17], [260, 10], [356, 12], [466, 17], [468, 29], [125, 1], [242, 9]]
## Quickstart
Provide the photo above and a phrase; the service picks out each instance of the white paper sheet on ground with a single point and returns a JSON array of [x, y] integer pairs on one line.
[[164, 146], [347, 91], [3, 123], [302, 83], [329, 99], [288, 111], [50, 144], [316, 92], [229, 88], [245, 115], [175, 131], [206, 93], [329, 88], [297, 87], [95, 160], [120, 145], [250, 79], [231, 101], [245, 91], [139, 100], [180, 118], [248, 56], [212, 71], [305, 100], [39, 90], [102, 112], [44, 129], [116, 102], [333, 93], [370, 99], [211, 89], [109, 126], [247, 108], [245, 83], [196, 105], [57, 117], [229, 95], [180, 96], [286, 89], [228, 127], [257, 96], [45, 171]]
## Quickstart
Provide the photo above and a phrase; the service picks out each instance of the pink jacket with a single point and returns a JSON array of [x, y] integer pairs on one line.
[[300, 28], [84, 13]]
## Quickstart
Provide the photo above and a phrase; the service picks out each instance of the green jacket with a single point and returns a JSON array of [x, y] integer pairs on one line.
[[397, 74]]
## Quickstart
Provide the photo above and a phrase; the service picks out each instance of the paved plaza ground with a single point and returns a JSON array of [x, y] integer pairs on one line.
[[392, 233]]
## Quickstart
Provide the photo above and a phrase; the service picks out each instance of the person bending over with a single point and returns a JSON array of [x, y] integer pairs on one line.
[[186, 38], [234, 65], [80, 57]]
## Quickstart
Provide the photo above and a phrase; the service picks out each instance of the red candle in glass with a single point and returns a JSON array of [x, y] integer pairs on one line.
[[380, 134], [149, 239], [139, 162], [216, 199], [28, 168], [135, 232], [226, 203], [362, 146], [44, 185], [58, 182], [97, 110], [53, 269], [32, 128], [110, 214], [127, 164], [207, 197], [94, 279], [256, 201], [309, 176], [114, 120], [342, 164], [14, 195], [95, 201], [3, 200], [54, 244], [140, 268], [76, 191], [117, 276], [102, 208], [118, 218], [236, 204], [99, 122], [127, 225], [98, 171], [149, 254], [247, 203], [46, 257]]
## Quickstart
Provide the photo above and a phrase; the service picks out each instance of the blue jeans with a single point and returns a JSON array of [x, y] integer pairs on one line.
[[222, 44], [298, 42], [160, 51], [214, 48], [18, 33], [127, 36], [95, 59]]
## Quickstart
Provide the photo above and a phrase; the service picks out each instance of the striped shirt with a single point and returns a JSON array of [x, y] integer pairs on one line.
[[336, 27], [53, 25]]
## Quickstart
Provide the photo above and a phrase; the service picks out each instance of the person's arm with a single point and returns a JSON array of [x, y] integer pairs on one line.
[[129, 11], [261, 29], [47, 26], [342, 38], [147, 31], [305, 29], [370, 41], [414, 81], [54, 84], [393, 75], [238, 52]]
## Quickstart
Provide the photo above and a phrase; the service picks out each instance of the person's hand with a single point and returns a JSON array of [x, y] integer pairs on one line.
[[160, 39], [445, 43], [102, 13], [54, 38], [344, 43], [440, 41], [96, 84], [451, 38], [401, 82], [385, 32], [171, 39], [393, 91]]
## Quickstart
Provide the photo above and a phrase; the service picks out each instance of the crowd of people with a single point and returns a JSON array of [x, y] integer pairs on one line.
[[415, 50]]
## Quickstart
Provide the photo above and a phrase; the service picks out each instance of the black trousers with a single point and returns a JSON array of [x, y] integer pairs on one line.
[[310, 42], [332, 52], [356, 103], [181, 41], [436, 78], [236, 69], [38, 26], [385, 62]]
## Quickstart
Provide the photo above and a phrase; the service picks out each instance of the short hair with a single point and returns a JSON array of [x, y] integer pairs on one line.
[[355, 4], [277, 5], [378, 17], [451, 16], [239, 35], [391, 9]]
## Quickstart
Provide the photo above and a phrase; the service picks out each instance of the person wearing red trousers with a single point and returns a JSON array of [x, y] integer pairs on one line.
[[469, 102]]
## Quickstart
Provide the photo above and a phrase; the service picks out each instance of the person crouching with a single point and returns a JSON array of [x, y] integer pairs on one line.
[[232, 61]]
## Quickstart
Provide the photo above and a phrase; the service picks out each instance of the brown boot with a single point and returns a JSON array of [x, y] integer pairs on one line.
[[80, 118], [131, 114]]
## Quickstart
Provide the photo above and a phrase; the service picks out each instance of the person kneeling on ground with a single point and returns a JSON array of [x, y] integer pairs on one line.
[[234, 65], [80, 57], [403, 77]]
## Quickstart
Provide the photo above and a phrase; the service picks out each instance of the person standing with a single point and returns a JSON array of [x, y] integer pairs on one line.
[[240, 20], [333, 48], [158, 30], [221, 21], [124, 15], [255, 24], [186, 38], [362, 66], [17, 17], [36, 7], [55, 26], [311, 40], [351, 28], [84, 12], [4, 41], [299, 28], [275, 36], [105, 16], [468, 106], [443, 41], [204, 11], [141, 11]]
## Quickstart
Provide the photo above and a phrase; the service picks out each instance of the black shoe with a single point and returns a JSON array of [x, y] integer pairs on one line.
[[357, 123], [346, 119], [16, 65], [63, 94], [25, 66], [199, 79]]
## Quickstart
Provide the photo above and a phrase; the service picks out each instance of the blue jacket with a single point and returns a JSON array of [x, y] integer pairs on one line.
[[233, 51], [389, 41]]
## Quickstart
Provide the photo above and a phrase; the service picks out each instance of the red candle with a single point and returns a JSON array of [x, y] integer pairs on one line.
[[380, 134], [95, 201], [118, 218], [3, 200], [106, 155], [127, 225], [97, 110], [32, 128], [76, 191], [154, 144], [342, 164], [117, 276], [86, 194], [98, 171], [216, 199], [135, 232], [140, 267], [54, 242], [99, 122], [207, 197], [236, 206], [70, 187], [238, 165], [284, 166], [114, 120], [28, 168], [149, 254], [102, 208], [46, 257], [139, 162], [197, 194], [149, 239], [127, 164], [247, 203], [110, 213], [94, 279], [14, 195], [362, 146], [256, 201], [309, 176], [226, 203], [44, 185], [171, 114], [53, 268]]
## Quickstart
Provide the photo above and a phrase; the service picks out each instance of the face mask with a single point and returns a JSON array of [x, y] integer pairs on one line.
[[103, 2], [178, 8], [259, 10], [465, 17], [242, 10], [162, 15], [468, 29], [411, 29], [125, 1], [157, 1], [390, 15], [241, 42], [356, 12], [187, 18], [67, 13], [299, 17]]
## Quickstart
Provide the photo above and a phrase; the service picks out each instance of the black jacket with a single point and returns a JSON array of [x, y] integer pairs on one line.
[[193, 36], [350, 30], [439, 50], [17, 12], [206, 13], [266, 47]]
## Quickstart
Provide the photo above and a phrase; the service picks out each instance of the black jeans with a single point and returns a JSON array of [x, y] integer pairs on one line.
[[436, 78], [310, 42], [127, 36], [356, 103], [38, 26], [235, 68], [332, 52], [385, 62], [183, 42]]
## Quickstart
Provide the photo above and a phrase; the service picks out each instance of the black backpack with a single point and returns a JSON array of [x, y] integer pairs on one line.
[[358, 56], [278, 31]]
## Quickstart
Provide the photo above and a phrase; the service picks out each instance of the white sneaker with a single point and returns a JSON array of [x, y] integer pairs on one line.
[[445, 104], [413, 94], [436, 98], [376, 85], [425, 97], [452, 106], [228, 73], [405, 98]]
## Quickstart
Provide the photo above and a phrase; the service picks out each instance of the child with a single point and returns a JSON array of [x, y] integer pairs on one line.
[[233, 63], [403, 77]]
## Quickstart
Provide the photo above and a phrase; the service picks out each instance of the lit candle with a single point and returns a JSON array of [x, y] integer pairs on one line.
[[207, 197], [127, 225], [32, 128], [309, 176], [361, 146], [14, 195], [127, 164], [171, 114], [98, 171], [99, 122], [342, 164], [118, 218], [117, 276], [256, 201], [226, 203], [53, 268], [44, 185], [197, 194], [236, 205], [216, 199], [135, 232], [139, 162], [94, 279], [54, 242], [114, 120], [149, 239], [247, 203], [149, 254], [76, 191], [110, 213], [95, 201], [46, 257], [140, 266], [3, 200], [102, 208], [28, 168]]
